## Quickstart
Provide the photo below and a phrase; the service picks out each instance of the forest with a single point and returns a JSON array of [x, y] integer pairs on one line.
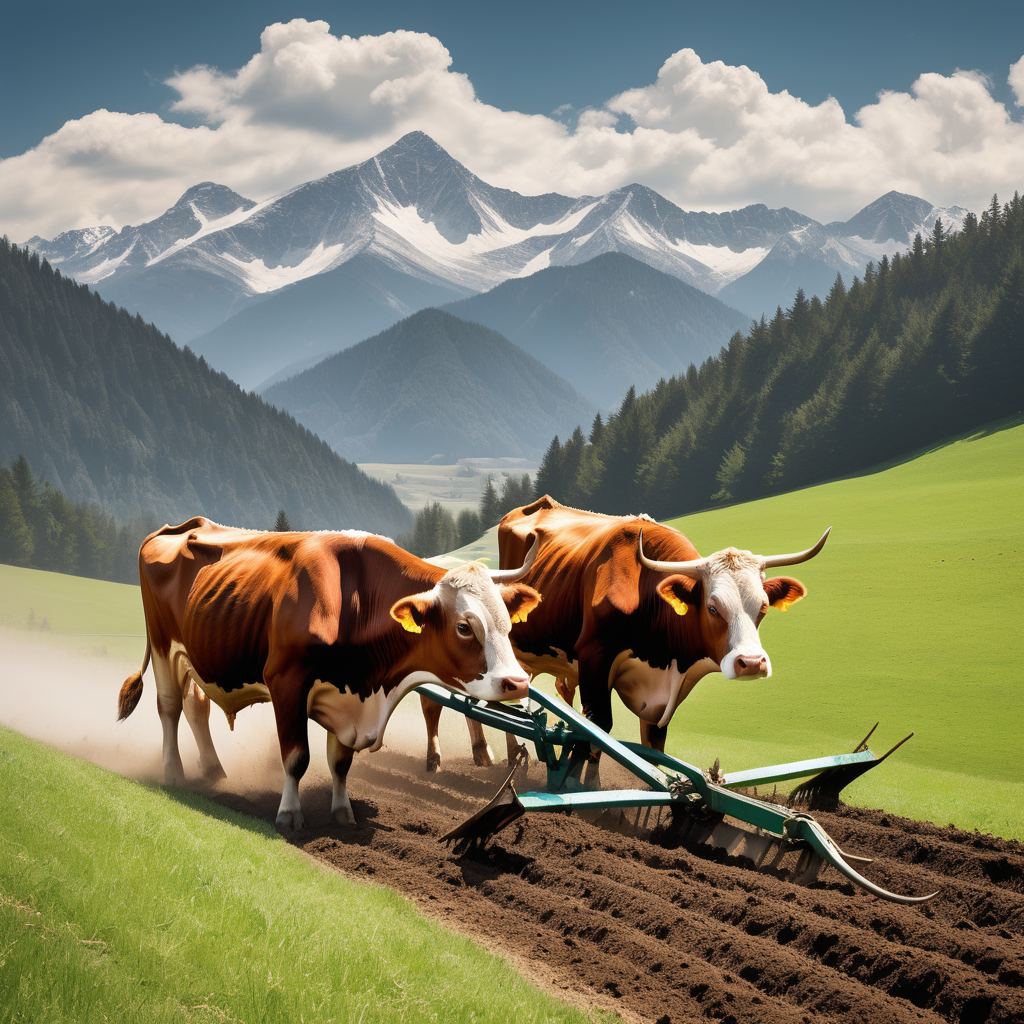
[[926, 346], [110, 411], [41, 529]]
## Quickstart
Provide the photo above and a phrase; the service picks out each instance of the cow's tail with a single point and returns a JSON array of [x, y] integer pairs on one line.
[[131, 691]]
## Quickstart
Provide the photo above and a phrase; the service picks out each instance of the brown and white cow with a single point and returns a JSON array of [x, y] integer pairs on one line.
[[336, 627], [630, 606]]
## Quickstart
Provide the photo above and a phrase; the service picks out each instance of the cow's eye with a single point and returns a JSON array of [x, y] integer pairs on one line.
[[465, 629], [712, 610]]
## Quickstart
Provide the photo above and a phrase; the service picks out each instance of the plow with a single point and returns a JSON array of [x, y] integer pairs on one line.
[[707, 806]]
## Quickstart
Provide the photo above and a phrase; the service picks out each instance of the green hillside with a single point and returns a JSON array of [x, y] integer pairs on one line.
[[135, 903], [109, 410], [912, 619]]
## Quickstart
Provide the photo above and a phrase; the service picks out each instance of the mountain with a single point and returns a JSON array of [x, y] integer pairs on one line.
[[607, 323], [109, 410], [811, 256], [928, 346], [307, 321], [430, 221], [433, 384]]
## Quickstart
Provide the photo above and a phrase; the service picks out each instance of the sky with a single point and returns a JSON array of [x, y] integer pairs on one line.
[[111, 110]]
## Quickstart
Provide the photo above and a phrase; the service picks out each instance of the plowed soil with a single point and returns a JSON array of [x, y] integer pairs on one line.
[[625, 915]]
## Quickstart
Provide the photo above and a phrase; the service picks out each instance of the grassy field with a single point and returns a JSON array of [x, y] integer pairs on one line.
[[913, 619], [126, 902]]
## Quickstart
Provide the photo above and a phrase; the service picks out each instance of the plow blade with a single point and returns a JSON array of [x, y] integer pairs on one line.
[[503, 808], [703, 799]]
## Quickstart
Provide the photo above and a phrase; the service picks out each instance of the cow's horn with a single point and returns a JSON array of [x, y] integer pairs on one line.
[[691, 569], [511, 575], [773, 561]]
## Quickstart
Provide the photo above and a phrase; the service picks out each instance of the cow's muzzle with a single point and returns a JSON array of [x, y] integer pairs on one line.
[[746, 665], [515, 687]]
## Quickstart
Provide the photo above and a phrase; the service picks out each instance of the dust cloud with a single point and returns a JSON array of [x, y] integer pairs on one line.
[[68, 700]]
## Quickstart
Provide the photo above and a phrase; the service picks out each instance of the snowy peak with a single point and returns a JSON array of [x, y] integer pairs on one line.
[[897, 217], [75, 244], [212, 201], [423, 214]]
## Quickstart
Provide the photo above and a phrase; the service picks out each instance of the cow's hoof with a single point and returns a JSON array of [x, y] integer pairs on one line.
[[174, 777], [433, 762], [288, 822], [483, 757], [214, 772], [343, 816]]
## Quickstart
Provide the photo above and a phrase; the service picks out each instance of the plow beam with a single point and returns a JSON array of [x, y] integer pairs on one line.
[[678, 784]]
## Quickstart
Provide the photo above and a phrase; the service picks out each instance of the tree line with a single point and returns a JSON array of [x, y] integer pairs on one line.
[[41, 529], [437, 529], [927, 345]]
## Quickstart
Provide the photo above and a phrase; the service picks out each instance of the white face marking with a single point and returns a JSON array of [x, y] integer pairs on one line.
[[733, 583]]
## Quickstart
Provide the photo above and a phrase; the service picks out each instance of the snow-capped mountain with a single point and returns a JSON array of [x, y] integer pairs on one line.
[[426, 228]]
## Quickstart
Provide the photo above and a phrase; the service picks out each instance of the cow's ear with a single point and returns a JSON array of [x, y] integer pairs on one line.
[[783, 591], [520, 600], [678, 592], [411, 612]]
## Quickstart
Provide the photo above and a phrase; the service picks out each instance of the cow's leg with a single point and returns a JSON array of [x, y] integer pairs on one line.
[[288, 692], [482, 753], [565, 687], [197, 714], [339, 759], [168, 706], [596, 704], [432, 716], [652, 736]]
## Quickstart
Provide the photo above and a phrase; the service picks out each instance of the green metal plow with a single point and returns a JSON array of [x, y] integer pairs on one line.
[[672, 783]]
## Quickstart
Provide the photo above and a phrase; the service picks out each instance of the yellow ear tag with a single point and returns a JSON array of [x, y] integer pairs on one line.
[[404, 617], [781, 606], [679, 607], [519, 617]]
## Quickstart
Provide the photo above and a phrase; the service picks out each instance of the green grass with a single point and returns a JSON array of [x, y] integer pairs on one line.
[[93, 612], [125, 902], [913, 618]]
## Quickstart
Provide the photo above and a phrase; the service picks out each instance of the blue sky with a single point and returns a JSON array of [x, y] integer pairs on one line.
[[63, 62]]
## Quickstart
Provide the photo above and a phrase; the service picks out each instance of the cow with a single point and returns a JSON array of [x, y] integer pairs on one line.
[[630, 606], [332, 626]]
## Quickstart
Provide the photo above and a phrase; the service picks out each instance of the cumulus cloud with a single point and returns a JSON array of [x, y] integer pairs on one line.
[[706, 135]]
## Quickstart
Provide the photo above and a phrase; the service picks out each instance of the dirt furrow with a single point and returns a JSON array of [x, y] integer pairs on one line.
[[628, 915]]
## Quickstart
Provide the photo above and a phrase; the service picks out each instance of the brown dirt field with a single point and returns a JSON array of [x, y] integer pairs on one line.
[[611, 915]]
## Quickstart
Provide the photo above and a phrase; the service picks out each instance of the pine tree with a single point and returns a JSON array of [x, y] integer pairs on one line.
[[282, 525], [16, 544], [469, 526], [490, 505], [549, 475]]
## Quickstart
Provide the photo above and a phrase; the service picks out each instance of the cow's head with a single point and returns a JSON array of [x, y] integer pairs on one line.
[[465, 621], [731, 594]]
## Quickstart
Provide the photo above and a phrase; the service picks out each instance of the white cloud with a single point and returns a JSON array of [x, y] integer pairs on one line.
[[1016, 81], [708, 136]]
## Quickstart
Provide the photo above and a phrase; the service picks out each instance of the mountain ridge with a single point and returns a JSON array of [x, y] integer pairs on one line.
[[433, 384], [423, 214]]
